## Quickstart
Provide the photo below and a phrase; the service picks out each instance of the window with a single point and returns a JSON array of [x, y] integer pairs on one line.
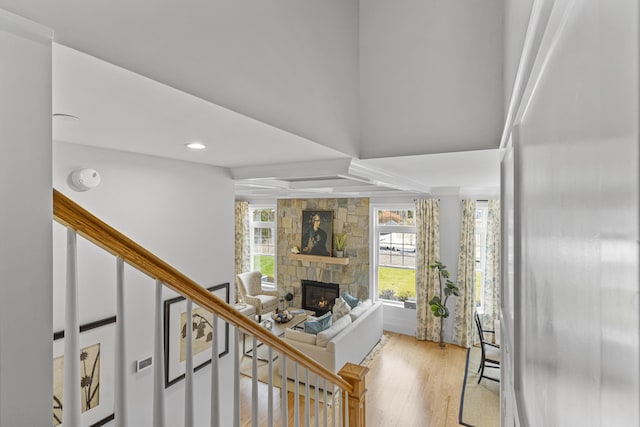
[[481, 240], [395, 256], [263, 241]]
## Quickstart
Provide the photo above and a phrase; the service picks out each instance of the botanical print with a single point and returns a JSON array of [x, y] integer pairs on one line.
[[463, 333], [428, 251], [89, 381], [202, 327]]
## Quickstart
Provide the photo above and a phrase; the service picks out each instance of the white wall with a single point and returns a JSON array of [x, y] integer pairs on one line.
[[431, 76], [577, 317], [182, 212], [25, 223]]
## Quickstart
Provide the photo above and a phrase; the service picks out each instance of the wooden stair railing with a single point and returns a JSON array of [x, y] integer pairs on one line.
[[85, 224]]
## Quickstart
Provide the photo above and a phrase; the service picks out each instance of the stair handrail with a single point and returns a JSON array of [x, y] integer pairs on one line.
[[70, 214]]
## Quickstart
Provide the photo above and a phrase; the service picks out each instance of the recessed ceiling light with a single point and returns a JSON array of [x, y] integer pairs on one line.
[[196, 146], [65, 117]]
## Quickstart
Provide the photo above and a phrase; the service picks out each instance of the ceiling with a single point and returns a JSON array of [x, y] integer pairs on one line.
[[275, 91]]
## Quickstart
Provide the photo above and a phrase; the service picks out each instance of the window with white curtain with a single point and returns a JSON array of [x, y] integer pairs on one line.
[[262, 225]]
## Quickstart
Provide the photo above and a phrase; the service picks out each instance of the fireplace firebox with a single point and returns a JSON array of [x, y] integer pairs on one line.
[[319, 296]]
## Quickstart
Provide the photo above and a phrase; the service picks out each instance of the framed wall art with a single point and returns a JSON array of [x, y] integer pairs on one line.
[[175, 315], [317, 232], [97, 370]]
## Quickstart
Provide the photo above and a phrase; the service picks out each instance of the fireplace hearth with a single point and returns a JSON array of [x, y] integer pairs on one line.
[[319, 297]]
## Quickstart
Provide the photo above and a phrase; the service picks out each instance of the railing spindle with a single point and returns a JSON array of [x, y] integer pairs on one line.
[[345, 408], [121, 412], [254, 383], [326, 409], [270, 397], [296, 399], [188, 384], [158, 360], [316, 406], [284, 407], [215, 377], [71, 389], [307, 409], [236, 378]]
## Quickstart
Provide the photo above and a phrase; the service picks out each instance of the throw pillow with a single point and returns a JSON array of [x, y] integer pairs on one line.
[[350, 299], [318, 325], [327, 335], [340, 308], [360, 309]]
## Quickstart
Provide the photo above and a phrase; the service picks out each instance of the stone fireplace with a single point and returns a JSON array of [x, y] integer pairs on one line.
[[319, 296]]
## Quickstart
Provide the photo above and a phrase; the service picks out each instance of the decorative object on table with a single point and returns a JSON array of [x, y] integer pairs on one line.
[[317, 229], [267, 324], [288, 297], [341, 240], [281, 316], [175, 314], [97, 370], [437, 304]]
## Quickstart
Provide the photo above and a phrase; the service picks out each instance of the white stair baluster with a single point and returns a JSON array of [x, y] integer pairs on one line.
[[121, 413], [236, 378], [188, 368], [307, 408], [316, 406], [71, 387], [285, 398], [254, 383], [270, 397], [296, 399], [345, 403], [215, 377], [158, 360], [326, 409]]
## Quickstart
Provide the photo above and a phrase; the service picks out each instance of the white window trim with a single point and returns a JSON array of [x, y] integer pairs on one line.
[[273, 226], [374, 230], [484, 206]]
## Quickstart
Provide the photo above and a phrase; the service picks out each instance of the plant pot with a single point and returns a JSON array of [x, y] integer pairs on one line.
[[339, 254]]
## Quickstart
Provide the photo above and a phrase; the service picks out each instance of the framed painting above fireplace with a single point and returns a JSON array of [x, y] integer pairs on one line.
[[317, 232]]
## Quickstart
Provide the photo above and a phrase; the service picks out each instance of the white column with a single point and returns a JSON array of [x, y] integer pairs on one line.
[[26, 366]]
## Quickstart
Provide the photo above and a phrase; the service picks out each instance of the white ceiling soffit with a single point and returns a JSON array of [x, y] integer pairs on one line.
[[468, 174], [122, 110]]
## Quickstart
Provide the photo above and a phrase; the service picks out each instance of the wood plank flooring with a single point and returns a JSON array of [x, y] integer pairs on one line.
[[410, 383]]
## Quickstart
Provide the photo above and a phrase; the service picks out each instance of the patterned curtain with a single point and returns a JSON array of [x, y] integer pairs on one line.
[[242, 263], [463, 328], [428, 251], [491, 297]]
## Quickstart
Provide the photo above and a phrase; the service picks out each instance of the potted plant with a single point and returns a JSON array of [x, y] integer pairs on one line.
[[437, 303], [341, 239]]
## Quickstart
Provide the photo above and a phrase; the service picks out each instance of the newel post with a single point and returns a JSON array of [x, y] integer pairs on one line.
[[355, 375]]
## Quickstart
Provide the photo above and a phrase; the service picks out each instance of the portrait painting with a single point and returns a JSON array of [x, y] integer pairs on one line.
[[317, 232]]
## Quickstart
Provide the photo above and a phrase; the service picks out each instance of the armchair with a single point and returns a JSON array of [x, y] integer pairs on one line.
[[251, 292]]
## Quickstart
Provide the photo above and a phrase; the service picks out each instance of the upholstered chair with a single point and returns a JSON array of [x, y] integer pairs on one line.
[[251, 292]]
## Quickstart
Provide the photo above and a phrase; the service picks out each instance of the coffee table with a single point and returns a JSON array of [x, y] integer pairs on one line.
[[278, 329]]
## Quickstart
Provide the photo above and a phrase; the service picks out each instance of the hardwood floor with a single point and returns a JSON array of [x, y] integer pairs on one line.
[[410, 383]]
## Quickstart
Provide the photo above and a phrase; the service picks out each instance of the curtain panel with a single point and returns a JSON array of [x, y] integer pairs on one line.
[[491, 297], [243, 249], [428, 251], [463, 327]]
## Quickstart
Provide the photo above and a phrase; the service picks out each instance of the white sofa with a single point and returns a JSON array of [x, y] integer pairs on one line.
[[351, 344]]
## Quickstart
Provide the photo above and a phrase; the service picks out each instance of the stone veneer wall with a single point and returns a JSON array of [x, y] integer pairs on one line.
[[351, 216]]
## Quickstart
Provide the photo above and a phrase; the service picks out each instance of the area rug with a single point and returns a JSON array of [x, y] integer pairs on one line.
[[479, 403]]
